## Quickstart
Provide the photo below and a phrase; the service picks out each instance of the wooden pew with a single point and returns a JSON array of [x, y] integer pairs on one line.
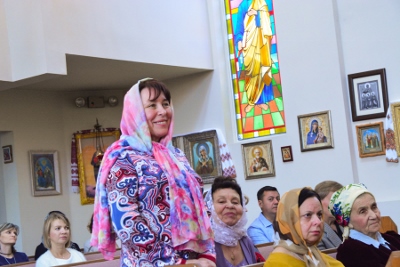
[[114, 263], [259, 264], [394, 259], [95, 263], [97, 255], [24, 264], [387, 224], [265, 249], [331, 252]]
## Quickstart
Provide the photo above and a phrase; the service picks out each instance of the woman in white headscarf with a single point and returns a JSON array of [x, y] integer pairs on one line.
[[355, 208]]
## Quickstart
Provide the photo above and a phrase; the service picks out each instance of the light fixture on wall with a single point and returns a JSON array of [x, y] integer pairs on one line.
[[80, 102], [113, 101], [99, 153], [96, 101]]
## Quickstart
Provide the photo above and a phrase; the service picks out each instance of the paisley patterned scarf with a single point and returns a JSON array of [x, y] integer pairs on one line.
[[190, 225]]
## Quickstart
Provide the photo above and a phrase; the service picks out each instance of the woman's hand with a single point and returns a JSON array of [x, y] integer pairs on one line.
[[202, 262]]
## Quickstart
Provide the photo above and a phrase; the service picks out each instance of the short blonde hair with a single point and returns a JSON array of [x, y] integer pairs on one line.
[[50, 218], [325, 187]]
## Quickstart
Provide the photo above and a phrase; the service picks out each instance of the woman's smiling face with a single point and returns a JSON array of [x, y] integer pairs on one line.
[[158, 113], [227, 206]]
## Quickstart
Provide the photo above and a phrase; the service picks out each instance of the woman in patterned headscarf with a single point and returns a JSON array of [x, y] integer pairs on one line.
[[300, 227], [147, 193], [355, 208]]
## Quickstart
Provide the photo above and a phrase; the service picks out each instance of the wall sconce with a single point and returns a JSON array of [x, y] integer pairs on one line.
[[113, 101], [80, 102], [95, 101]]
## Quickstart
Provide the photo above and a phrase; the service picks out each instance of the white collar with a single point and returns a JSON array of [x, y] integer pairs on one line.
[[369, 240]]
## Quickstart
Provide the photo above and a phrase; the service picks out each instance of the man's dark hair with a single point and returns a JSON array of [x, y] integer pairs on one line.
[[265, 189]]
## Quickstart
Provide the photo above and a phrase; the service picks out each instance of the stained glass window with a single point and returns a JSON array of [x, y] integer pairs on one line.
[[255, 68]]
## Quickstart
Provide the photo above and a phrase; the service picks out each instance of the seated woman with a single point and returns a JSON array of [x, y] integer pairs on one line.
[[355, 208], [228, 221], [41, 249], [8, 237], [56, 238], [300, 227]]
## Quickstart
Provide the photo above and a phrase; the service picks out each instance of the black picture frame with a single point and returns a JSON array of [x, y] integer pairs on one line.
[[368, 94]]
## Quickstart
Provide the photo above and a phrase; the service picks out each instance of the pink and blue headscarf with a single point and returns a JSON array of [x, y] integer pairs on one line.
[[190, 225]]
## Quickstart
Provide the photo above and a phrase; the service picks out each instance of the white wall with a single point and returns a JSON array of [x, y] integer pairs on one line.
[[42, 32], [315, 48], [8, 186], [370, 44], [76, 119], [319, 44]]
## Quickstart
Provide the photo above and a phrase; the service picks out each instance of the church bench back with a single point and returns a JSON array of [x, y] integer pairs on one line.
[[24, 264], [97, 255], [265, 249], [331, 252], [259, 264], [95, 263]]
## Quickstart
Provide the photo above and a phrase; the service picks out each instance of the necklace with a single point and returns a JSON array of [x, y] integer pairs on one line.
[[5, 253], [9, 263], [232, 254]]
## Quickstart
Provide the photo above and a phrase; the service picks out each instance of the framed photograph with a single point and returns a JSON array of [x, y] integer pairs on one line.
[[287, 154], [258, 160], [395, 109], [178, 142], [7, 154], [202, 151], [88, 163], [370, 139], [368, 95], [45, 173], [315, 131]]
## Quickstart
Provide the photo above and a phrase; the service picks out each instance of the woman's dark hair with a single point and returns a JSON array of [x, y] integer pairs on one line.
[[158, 89], [222, 182], [305, 193], [90, 224]]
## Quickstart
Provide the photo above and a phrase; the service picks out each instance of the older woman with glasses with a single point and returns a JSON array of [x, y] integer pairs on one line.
[[8, 237]]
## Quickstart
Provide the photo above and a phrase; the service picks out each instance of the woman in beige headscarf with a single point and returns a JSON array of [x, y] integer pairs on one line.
[[300, 227]]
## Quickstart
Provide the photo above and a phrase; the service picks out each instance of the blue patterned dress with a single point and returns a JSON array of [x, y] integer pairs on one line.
[[138, 195]]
